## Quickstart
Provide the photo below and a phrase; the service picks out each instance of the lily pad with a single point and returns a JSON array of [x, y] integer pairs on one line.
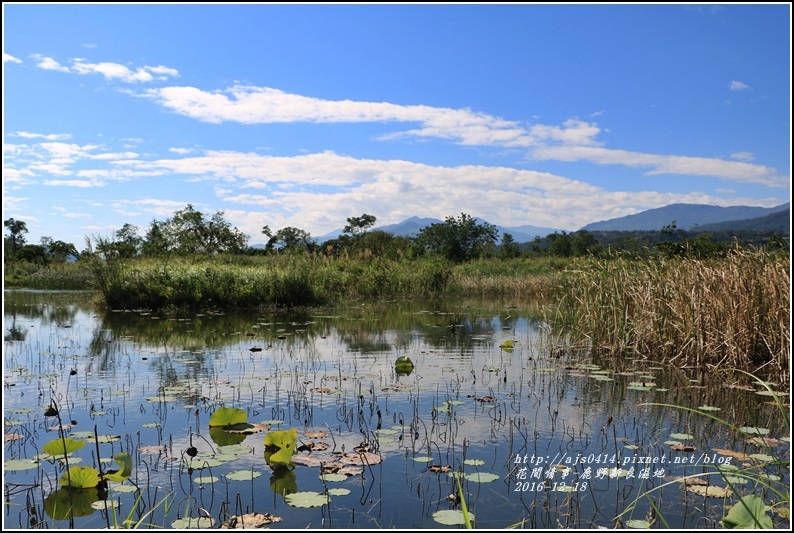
[[474, 462], [306, 499], [482, 477], [754, 431], [199, 522], [19, 464], [638, 524], [62, 446], [243, 475], [338, 492], [681, 436], [423, 459], [710, 491], [101, 505], [333, 477], [451, 517]]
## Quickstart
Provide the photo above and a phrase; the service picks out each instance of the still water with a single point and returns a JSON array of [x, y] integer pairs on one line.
[[539, 433]]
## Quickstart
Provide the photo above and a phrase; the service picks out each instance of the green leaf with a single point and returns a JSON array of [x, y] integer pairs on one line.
[[451, 517], [62, 446], [306, 499], [224, 438], [123, 474], [228, 416], [243, 475], [750, 512], [280, 446], [64, 504], [403, 366], [80, 477]]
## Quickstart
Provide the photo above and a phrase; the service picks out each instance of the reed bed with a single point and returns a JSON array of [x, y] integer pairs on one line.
[[730, 312], [264, 282]]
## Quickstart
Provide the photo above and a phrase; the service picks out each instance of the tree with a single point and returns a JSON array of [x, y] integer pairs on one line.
[[188, 232], [358, 226], [560, 244], [508, 248], [16, 228], [289, 239], [458, 239], [128, 243], [584, 243], [59, 251]]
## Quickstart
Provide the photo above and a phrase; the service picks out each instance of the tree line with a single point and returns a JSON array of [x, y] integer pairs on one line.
[[191, 233]]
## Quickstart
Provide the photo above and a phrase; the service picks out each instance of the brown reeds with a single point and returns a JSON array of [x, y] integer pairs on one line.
[[716, 313]]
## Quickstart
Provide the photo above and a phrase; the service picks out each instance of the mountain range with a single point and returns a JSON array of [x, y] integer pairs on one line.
[[689, 217]]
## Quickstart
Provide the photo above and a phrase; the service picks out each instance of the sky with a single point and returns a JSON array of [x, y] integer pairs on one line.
[[305, 115]]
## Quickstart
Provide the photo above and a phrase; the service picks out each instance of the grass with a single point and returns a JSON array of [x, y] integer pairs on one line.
[[706, 314], [750, 511]]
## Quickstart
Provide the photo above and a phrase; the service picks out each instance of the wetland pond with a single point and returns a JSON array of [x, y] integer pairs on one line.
[[539, 434]]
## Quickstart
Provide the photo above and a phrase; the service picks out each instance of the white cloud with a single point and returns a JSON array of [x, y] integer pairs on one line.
[[48, 137], [111, 71], [667, 164], [48, 63], [280, 192], [181, 151], [73, 183], [743, 156], [8, 58], [738, 86]]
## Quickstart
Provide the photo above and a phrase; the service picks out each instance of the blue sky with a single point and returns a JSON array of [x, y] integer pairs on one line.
[[304, 115]]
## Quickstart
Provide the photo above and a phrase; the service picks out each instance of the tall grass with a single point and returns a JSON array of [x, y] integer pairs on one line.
[[732, 312], [272, 281]]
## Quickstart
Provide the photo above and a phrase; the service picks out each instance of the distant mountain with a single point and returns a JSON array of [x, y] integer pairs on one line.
[[410, 227], [686, 217], [779, 222]]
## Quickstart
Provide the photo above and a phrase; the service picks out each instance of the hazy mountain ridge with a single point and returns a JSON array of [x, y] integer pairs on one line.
[[686, 216], [689, 217]]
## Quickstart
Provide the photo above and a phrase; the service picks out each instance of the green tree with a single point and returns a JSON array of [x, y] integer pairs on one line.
[[58, 251], [16, 229], [584, 243], [508, 249], [458, 239], [128, 243], [358, 226], [189, 232], [560, 244], [288, 240]]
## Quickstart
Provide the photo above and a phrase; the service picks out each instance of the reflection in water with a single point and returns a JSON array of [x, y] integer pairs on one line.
[[523, 419]]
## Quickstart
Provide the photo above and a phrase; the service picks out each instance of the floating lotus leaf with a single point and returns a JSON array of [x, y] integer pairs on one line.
[[482, 477], [206, 480], [750, 512], [338, 492], [762, 457], [104, 439], [228, 416], [754, 431], [734, 480], [306, 499], [80, 477], [19, 464], [64, 504], [123, 474], [124, 488], [423, 459], [203, 462], [200, 522], [403, 366], [62, 446], [234, 449], [243, 475], [473, 462], [638, 524], [101, 505], [451, 517], [681, 436], [708, 408], [333, 477]]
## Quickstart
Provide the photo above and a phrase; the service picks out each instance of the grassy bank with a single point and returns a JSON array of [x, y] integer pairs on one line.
[[731, 312], [252, 282], [63, 276]]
